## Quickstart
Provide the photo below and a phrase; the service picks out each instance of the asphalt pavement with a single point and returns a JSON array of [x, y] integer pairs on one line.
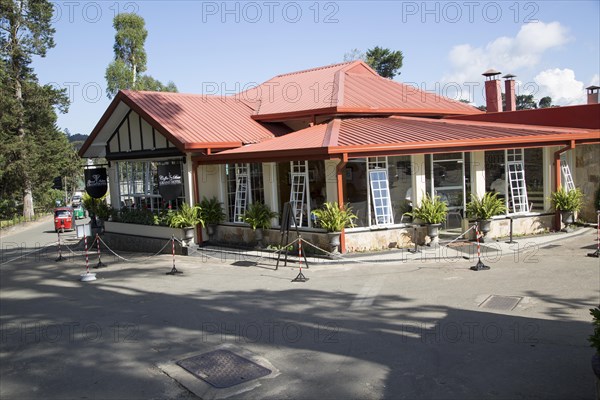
[[362, 328]]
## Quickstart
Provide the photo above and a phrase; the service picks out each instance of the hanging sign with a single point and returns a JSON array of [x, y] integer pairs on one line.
[[170, 183], [96, 183]]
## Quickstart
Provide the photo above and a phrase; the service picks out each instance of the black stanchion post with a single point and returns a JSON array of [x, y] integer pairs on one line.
[[300, 277], [510, 238], [100, 263], [60, 257], [173, 271], [480, 266], [597, 252]]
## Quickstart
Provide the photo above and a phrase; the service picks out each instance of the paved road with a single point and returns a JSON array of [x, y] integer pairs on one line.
[[369, 331]]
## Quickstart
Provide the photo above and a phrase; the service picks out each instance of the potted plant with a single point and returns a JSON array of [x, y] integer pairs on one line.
[[186, 218], [567, 203], [258, 216], [211, 213], [334, 219], [594, 340], [484, 208], [432, 211]]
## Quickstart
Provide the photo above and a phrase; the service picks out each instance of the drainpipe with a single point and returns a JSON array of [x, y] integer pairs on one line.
[[340, 194], [196, 194], [557, 175]]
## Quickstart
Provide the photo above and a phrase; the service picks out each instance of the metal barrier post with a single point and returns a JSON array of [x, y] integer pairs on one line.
[[300, 277], [87, 277], [60, 257], [480, 266], [173, 271], [100, 263], [597, 252]]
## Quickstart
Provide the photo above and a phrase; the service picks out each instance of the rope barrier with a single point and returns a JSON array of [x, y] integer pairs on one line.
[[132, 260]]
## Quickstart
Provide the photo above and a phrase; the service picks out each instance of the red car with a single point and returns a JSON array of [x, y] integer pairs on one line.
[[63, 218]]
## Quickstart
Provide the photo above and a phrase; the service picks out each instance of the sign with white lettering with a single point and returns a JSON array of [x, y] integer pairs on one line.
[[170, 182], [96, 183]]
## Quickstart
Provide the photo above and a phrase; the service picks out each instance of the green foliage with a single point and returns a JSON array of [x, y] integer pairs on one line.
[[594, 338], [97, 207], [564, 200], [185, 217], [334, 218], [385, 61], [486, 207], [432, 210], [545, 102], [211, 211], [258, 215], [8, 208], [141, 216], [525, 102], [125, 72], [32, 149]]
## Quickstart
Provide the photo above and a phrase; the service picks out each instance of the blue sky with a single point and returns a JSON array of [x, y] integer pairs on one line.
[[552, 46]]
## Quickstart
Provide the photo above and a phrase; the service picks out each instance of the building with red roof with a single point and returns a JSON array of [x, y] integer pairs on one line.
[[342, 133]]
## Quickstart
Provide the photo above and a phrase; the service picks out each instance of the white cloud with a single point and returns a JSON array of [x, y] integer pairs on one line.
[[561, 85], [506, 54]]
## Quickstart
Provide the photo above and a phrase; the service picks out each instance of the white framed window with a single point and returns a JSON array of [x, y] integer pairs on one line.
[[567, 178], [381, 204], [244, 185], [515, 170], [299, 201], [242, 191]]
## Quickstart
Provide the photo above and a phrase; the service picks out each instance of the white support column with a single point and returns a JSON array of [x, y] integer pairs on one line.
[[477, 174], [113, 186], [548, 174], [271, 189], [418, 178], [188, 185], [331, 180], [209, 184]]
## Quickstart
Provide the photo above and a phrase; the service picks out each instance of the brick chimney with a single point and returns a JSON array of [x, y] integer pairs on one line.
[[493, 94], [509, 93], [593, 94]]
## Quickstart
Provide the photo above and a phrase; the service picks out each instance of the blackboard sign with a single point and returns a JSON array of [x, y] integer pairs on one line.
[[170, 182], [96, 183]]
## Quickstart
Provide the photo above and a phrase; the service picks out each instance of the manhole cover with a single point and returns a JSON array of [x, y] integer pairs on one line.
[[505, 303], [222, 368]]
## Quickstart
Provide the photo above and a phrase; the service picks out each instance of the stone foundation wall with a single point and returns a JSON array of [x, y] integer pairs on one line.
[[124, 242], [382, 239], [246, 237], [521, 226]]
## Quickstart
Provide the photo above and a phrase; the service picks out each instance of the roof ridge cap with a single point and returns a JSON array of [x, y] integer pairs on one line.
[[315, 69]]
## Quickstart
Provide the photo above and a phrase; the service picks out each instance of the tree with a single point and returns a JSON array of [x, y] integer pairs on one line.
[[27, 124], [385, 61], [525, 102], [354, 54], [125, 72], [545, 102]]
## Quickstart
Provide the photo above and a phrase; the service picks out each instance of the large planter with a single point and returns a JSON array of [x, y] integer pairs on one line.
[[334, 241], [259, 236], [484, 227], [211, 230], [152, 231], [567, 218], [433, 231]]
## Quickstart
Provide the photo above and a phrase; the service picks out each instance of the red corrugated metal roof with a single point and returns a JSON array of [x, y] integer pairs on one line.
[[362, 135], [196, 119], [351, 87], [585, 116]]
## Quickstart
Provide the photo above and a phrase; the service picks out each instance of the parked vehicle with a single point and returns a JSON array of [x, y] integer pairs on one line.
[[79, 212], [63, 219]]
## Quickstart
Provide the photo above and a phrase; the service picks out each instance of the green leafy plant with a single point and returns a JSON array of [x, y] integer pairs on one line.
[[97, 207], [594, 338], [258, 215], [564, 200], [211, 211], [185, 217], [134, 216], [485, 207], [334, 218], [432, 210]]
